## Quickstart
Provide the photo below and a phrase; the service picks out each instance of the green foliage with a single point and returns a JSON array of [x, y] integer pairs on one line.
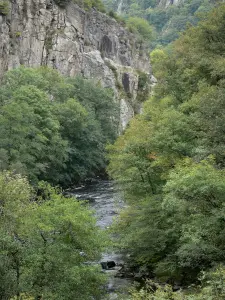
[[100, 128], [153, 291], [143, 87], [140, 26], [4, 7], [212, 287], [47, 246], [157, 56], [170, 162], [142, 80], [115, 16], [166, 21], [30, 133], [48, 135], [86, 4], [99, 104]]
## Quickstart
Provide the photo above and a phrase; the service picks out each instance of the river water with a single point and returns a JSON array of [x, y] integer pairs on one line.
[[107, 203]]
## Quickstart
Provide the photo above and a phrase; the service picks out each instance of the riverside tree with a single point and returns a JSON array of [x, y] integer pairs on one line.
[[47, 246]]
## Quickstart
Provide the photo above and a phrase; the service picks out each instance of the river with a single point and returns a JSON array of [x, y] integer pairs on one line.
[[107, 202]]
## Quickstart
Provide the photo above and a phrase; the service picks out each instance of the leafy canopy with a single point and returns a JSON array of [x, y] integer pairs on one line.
[[53, 128], [170, 161], [48, 246]]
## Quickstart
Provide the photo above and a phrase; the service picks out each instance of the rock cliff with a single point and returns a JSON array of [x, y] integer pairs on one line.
[[74, 41]]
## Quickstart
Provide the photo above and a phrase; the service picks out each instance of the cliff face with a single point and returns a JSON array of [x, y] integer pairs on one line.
[[38, 32]]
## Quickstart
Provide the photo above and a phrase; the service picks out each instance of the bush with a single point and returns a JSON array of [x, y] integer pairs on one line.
[[212, 287], [140, 26], [86, 4], [114, 15], [4, 7]]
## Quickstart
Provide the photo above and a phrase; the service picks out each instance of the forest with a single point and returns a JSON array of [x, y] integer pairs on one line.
[[169, 164], [164, 19], [53, 130]]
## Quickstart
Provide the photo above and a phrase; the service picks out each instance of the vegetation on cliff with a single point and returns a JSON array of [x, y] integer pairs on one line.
[[86, 4], [4, 7], [170, 163]]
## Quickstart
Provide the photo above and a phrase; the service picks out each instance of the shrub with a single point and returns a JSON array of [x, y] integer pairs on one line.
[[4, 7], [140, 26], [212, 287], [86, 4]]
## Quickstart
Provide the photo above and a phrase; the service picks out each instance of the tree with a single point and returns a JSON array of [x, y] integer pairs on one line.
[[30, 135], [48, 246], [170, 161], [15, 193], [99, 103], [195, 192], [64, 240], [140, 26], [167, 19], [211, 287], [46, 133]]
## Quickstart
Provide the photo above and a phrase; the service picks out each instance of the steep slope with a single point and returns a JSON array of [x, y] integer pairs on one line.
[[74, 41]]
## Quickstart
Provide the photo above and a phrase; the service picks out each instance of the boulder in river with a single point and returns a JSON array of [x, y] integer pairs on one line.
[[108, 264]]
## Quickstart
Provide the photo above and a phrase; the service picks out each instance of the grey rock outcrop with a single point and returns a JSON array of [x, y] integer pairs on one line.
[[73, 41]]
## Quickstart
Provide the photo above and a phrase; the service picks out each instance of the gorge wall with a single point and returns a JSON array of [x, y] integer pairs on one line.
[[74, 41]]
